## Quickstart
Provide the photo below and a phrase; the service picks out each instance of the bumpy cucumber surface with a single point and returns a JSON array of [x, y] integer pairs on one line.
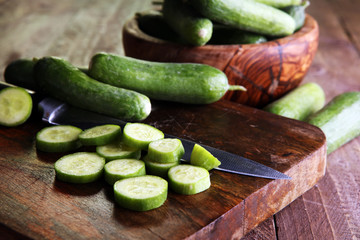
[[178, 82], [186, 22], [228, 35], [247, 15], [339, 120], [280, 3], [299, 103], [61, 80]]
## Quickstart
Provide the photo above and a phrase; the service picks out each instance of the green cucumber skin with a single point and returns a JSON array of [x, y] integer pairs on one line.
[[193, 28], [61, 80], [20, 73], [280, 3], [228, 35], [299, 103], [297, 12], [247, 15], [179, 82], [339, 120]]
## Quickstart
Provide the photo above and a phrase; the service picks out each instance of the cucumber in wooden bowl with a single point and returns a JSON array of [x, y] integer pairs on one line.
[[339, 120], [62, 80], [179, 82]]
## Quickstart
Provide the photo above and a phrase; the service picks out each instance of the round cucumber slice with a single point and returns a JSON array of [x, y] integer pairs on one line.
[[166, 150], [118, 150], [100, 135], [60, 138], [188, 179], [123, 168], [202, 158], [81, 167], [141, 193], [140, 135], [15, 106], [158, 169]]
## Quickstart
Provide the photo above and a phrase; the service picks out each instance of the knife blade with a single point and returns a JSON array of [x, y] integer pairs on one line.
[[56, 112]]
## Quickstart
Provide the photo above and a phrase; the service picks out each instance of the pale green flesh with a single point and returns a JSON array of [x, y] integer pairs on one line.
[[186, 174], [15, 106], [143, 132], [99, 131], [202, 158], [117, 149], [57, 134], [124, 166]]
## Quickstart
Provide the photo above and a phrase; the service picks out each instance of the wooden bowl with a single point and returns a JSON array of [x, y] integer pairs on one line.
[[268, 70]]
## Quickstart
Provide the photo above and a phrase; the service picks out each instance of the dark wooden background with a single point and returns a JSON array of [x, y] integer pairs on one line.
[[77, 29]]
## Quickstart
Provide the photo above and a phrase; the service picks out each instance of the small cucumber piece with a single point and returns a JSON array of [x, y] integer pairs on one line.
[[140, 135], [228, 35], [61, 138], [61, 80], [339, 120], [100, 135], [203, 158], [118, 150], [81, 167], [280, 3], [188, 179], [178, 82], [123, 168], [141, 193], [297, 12], [187, 23], [20, 73], [166, 150], [299, 103], [247, 15], [158, 169], [15, 106]]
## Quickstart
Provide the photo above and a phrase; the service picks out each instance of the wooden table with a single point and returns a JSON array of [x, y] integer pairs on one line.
[[330, 210]]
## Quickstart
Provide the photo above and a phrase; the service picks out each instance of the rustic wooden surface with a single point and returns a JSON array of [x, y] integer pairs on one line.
[[330, 210]]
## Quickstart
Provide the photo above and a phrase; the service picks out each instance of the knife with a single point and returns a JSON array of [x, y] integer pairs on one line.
[[56, 112]]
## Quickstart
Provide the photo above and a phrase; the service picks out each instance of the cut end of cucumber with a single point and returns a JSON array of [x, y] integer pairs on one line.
[[124, 168], [140, 135], [203, 158], [141, 193], [165, 150], [15, 106], [118, 150], [100, 135], [237, 88]]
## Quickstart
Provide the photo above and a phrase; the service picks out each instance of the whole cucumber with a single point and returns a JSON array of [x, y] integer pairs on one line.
[[280, 3], [58, 78], [339, 120], [178, 82], [299, 103], [247, 15], [20, 73], [297, 12], [187, 23]]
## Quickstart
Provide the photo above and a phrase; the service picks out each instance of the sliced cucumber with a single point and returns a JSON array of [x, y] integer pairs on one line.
[[61, 138], [166, 150], [118, 150], [100, 135], [141, 193], [15, 106], [140, 135], [158, 169], [188, 179], [123, 168], [81, 167], [202, 158]]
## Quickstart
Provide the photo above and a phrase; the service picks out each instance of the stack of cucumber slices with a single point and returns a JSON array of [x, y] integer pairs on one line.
[[138, 162]]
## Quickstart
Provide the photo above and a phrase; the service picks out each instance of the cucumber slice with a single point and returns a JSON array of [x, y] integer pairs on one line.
[[158, 169], [15, 106], [141, 193], [202, 158], [117, 150], [188, 179], [100, 135], [166, 150], [140, 135], [123, 168], [81, 167], [61, 138]]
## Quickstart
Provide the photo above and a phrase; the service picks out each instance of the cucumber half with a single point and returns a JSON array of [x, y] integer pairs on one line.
[[140, 135], [123, 168], [100, 135], [141, 193], [188, 179], [81, 167], [61, 138], [15, 106]]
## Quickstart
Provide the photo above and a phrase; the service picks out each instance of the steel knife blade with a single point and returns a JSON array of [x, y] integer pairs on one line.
[[56, 112]]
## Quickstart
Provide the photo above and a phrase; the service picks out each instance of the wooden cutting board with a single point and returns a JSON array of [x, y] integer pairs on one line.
[[36, 205]]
